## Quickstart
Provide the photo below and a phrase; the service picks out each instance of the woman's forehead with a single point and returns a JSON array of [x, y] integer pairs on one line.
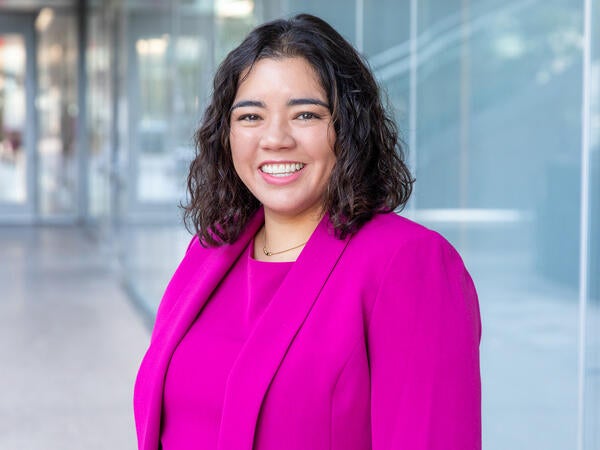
[[280, 66], [272, 73]]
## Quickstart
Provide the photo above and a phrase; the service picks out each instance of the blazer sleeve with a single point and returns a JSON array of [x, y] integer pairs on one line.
[[423, 344]]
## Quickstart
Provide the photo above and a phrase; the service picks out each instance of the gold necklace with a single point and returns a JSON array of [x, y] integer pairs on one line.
[[268, 253]]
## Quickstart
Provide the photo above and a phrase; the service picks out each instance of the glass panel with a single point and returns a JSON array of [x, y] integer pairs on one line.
[[193, 57], [13, 179], [152, 58], [99, 112], [498, 173], [592, 343], [386, 40], [387, 26], [234, 20], [340, 14], [57, 112], [170, 79], [151, 107]]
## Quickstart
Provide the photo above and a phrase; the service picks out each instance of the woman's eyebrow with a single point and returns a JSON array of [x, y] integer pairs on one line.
[[307, 101], [243, 103], [291, 102]]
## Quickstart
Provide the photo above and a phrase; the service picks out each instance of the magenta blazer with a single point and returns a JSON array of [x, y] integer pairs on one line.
[[371, 342]]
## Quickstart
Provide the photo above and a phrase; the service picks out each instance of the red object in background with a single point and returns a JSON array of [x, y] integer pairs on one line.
[[15, 138]]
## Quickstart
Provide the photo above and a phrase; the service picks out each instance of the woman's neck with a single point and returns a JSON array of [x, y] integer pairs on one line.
[[280, 234]]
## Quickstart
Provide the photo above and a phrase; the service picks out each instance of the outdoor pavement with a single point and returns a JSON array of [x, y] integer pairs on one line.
[[70, 343]]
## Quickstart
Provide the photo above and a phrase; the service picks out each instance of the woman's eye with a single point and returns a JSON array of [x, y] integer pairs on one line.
[[307, 116], [249, 117]]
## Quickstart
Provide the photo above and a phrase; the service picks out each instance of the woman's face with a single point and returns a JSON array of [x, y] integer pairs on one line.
[[282, 137]]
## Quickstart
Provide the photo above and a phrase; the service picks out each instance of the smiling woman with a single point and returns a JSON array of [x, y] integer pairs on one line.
[[306, 314]]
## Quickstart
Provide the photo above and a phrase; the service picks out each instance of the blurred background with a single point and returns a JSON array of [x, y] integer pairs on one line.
[[498, 102]]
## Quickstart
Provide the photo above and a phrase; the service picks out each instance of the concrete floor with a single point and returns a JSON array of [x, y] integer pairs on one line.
[[70, 344]]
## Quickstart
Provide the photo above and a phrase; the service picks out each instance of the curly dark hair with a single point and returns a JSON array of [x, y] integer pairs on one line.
[[369, 175]]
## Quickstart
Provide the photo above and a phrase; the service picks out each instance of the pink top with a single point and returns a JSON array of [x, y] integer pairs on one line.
[[196, 377]]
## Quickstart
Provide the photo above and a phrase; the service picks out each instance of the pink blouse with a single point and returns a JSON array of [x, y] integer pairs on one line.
[[197, 373]]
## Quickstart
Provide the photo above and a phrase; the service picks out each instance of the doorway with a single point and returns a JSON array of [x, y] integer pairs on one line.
[[17, 119]]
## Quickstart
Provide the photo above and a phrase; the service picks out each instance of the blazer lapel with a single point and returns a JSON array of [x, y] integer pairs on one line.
[[267, 345], [201, 284]]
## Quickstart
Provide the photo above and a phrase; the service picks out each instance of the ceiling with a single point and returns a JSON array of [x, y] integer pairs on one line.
[[32, 5]]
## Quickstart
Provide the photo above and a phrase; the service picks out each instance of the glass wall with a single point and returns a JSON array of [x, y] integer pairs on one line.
[[40, 161], [13, 160], [499, 169], [57, 110], [17, 118], [101, 76]]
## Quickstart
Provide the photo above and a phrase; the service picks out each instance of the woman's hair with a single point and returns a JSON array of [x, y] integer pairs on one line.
[[369, 175]]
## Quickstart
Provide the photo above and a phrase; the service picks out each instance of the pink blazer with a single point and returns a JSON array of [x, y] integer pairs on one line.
[[371, 342]]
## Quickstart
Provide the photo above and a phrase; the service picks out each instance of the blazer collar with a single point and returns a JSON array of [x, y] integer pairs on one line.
[[267, 344]]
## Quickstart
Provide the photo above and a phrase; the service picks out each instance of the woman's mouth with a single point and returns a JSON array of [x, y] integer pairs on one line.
[[281, 169]]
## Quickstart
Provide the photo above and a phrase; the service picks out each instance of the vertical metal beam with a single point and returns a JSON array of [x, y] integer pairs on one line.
[[586, 125], [115, 41], [33, 157], [465, 113], [359, 24], [412, 97], [82, 136]]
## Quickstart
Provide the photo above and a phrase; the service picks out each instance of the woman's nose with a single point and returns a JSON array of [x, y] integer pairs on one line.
[[277, 135]]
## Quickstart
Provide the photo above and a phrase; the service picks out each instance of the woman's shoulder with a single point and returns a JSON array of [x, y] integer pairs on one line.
[[391, 231], [197, 250], [390, 237]]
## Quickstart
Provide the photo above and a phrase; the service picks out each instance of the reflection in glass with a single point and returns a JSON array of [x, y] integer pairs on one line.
[[152, 127], [99, 114], [232, 23], [13, 182], [172, 59], [499, 159], [388, 52], [57, 114]]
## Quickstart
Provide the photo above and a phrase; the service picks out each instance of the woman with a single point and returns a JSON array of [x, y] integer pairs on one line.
[[305, 313]]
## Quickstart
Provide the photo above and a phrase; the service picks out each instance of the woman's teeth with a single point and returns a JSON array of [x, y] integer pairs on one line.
[[281, 170]]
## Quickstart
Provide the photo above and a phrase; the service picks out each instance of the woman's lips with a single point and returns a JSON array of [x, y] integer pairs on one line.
[[281, 169], [281, 173]]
